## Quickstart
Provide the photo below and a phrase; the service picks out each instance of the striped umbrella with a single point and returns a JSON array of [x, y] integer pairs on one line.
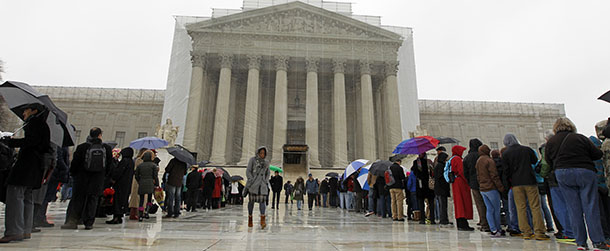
[[354, 166], [416, 145], [364, 171]]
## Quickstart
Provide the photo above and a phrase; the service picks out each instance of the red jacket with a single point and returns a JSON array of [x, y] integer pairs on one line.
[[461, 191], [217, 187]]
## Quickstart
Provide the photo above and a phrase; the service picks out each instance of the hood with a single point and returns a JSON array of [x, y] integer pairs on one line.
[[442, 157], [484, 150], [127, 152], [474, 145], [599, 129], [595, 141], [258, 150], [458, 150], [510, 140]]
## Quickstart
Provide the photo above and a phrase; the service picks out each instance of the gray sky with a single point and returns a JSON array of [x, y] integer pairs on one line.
[[525, 51]]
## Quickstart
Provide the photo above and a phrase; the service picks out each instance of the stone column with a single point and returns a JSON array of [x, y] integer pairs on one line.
[[193, 112], [339, 115], [311, 112], [366, 114], [280, 113], [221, 121], [394, 125], [251, 112]]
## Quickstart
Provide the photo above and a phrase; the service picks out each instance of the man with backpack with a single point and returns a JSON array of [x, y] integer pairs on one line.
[[90, 163], [395, 178]]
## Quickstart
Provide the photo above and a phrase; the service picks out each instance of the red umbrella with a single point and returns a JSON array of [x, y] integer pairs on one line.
[[416, 145]]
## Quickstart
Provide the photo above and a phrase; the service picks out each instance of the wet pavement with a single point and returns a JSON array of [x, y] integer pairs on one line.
[[288, 229]]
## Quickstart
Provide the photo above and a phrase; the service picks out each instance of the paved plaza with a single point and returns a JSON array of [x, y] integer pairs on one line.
[[288, 229]]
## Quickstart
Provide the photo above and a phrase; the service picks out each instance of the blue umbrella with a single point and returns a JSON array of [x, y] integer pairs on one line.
[[148, 142], [364, 171], [353, 167]]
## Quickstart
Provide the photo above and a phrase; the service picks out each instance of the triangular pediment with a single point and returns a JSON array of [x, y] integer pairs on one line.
[[294, 18]]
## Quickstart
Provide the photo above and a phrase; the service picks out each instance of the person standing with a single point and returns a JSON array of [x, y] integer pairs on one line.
[[333, 189], [276, 186], [257, 186], [490, 187], [147, 175], [90, 163], [441, 187], [519, 160], [311, 186], [572, 155], [462, 202], [324, 188], [421, 168], [173, 188], [25, 175], [121, 178], [371, 179], [397, 195], [299, 192], [470, 172], [60, 174], [134, 198], [194, 182], [288, 188]]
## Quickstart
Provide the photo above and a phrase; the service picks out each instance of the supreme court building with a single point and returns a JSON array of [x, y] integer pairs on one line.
[[308, 78]]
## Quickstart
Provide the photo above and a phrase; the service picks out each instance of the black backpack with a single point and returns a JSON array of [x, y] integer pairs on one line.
[[95, 159]]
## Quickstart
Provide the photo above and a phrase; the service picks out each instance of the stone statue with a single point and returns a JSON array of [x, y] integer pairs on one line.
[[168, 132]]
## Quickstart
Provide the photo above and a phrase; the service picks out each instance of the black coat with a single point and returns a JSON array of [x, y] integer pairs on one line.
[[61, 172], [333, 185], [399, 176], [91, 182], [380, 187], [423, 177], [176, 170], [194, 180], [470, 161], [324, 186], [208, 183], [276, 183], [28, 170], [122, 175], [441, 187], [517, 161], [578, 152]]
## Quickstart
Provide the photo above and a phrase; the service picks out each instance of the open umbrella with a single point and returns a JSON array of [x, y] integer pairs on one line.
[[447, 140], [203, 163], [416, 145], [225, 174], [236, 178], [605, 97], [364, 172], [182, 155], [332, 175], [354, 166], [275, 169], [148, 142], [19, 95], [112, 144], [379, 167]]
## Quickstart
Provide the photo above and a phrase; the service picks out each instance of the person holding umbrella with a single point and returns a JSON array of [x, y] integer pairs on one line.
[[173, 188], [257, 187], [276, 186], [26, 174]]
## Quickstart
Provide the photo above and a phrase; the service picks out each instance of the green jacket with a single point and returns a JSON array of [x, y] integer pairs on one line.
[[546, 171]]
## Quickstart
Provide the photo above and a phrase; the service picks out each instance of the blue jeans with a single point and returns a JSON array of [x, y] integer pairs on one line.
[[414, 203], [371, 200], [513, 223], [299, 204], [384, 206], [342, 199], [561, 211], [579, 186], [324, 197], [492, 202], [546, 212], [349, 200], [173, 199]]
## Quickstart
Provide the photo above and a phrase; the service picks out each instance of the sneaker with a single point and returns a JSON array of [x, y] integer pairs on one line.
[[515, 233], [527, 236], [369, 214], [543, 237], [600, 246], [400, 220], [582, 247], [496, 234]]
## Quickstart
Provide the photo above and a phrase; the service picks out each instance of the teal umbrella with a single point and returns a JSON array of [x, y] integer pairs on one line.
[[275, 169]]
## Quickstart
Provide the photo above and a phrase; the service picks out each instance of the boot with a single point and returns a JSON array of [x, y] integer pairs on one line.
[[416, 215], [263, 223], [250, 221], [141, 214], [133, 213]]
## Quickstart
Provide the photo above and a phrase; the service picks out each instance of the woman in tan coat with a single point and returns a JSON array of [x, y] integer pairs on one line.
[[134, 198]]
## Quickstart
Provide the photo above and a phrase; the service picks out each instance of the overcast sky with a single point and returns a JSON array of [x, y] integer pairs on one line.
[[521, 50]]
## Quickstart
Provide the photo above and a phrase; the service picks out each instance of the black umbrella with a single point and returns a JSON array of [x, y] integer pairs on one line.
[[203, 163], [447, 140], [236, 178], [379, 167], [332, 175], [19, 95], [112, 144], [605, 97], [182, 155]]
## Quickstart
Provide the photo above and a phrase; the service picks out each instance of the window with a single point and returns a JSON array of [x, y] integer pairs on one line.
[[493, 145], [142, 135], [77, 137], [119, 138]]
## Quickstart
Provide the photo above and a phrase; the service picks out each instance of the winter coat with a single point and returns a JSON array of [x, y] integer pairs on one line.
[[311, 186], [421, 170], [28, 170], [93, 181], [217, 188], [288, 188], [370, 178], [441, 187], [134, 198], [176, 170], [412, 183], [462, 202], [194, 180], [380, 187], [518, 161], [333, 185], [399, 176], [258, 173], [487, 174], [61, 172], [122, 175], [299, 190], [349, 184], [147, 175], [324, 188], [578, 152], [276, 183], [470, 161], [545, 169], [209, 180]]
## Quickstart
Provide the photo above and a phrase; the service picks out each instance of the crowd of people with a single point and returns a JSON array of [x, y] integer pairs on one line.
[[562, 187]]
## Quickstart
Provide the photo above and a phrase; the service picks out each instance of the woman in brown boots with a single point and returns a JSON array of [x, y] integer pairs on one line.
[[257, 186], [134, 198]]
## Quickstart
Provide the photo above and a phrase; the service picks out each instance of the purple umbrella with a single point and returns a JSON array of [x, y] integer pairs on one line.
[[416, 145]]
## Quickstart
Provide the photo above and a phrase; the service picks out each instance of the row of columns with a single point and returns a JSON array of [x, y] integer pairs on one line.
[[280, 121]]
